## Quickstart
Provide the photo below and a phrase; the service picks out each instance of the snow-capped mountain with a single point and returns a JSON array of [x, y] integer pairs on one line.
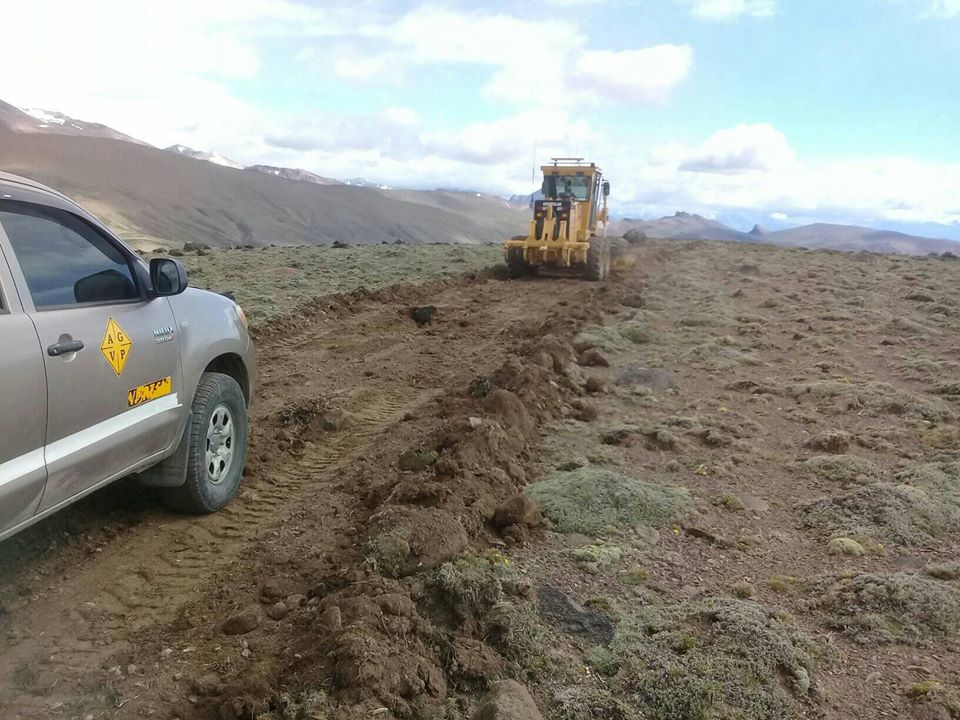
[[363, 182], [525, 199], [294, 174], [213, 157], [30, 121]]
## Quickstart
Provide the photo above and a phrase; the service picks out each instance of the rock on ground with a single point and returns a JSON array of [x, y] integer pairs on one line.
[[243, 622], [509, 700], [518, 510]]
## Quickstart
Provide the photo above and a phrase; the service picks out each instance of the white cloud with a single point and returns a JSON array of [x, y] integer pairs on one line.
[[743, 148], [646, 75], [942, 9], [731, 9], [522, 70], [751, 168]]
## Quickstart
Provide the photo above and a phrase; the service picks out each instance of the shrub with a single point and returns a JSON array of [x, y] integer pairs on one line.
[[472, 585], [888, 608], [896, 513], [712, 658], [594, 501], [600, 336], [843, 468]]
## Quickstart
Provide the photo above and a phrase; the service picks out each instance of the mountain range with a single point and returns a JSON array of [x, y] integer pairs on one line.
[[154, 197], [688, 226]]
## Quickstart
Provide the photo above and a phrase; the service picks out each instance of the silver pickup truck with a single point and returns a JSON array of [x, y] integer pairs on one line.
[[110, 366]]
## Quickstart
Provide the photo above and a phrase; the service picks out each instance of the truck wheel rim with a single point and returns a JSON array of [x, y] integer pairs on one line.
[[221, 440]]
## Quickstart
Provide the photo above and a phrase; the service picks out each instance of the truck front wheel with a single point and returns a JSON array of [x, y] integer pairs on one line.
[[217, 447]]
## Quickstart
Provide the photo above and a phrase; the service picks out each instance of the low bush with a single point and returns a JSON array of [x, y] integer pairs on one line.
[[595, 501]]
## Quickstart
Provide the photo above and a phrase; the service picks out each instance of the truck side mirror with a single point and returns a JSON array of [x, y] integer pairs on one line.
[[168, 277], [606, 188]]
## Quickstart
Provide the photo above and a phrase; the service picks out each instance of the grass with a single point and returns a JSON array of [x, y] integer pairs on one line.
[[488, 599], [881, 398], [934, 691], [604, 337], [710, 658], [889, 608], [573, 441], [923, 505], [270, 283], [472, 585], [580, 703], [723, 353], [595, 501], [843, 468]]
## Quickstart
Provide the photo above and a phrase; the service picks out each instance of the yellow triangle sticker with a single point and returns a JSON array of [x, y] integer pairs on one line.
[[115, 346]]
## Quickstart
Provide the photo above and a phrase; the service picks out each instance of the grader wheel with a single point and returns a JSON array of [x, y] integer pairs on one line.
[[598, 259]]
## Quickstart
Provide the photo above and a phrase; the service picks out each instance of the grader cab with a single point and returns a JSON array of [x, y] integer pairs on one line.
[[563, 232]]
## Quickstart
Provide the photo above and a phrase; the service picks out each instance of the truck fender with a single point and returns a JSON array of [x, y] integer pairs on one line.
[[172, 472]]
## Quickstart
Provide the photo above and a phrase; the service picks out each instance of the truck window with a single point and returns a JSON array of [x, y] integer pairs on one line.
[[64, 261]]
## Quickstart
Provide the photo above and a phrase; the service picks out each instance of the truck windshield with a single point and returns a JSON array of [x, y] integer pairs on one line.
[[568, 186]]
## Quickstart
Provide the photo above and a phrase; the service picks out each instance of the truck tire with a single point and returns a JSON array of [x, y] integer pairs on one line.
[[217, 450], [598, 259], [516, 265]]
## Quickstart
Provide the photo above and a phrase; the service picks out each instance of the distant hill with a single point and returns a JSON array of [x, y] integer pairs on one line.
[[683, 226], [851, 237], [686, 226]]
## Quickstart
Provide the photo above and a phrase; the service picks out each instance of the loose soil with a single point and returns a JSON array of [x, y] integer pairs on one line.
[[379, 560]]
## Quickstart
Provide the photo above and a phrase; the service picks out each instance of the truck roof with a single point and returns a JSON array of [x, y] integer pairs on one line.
[[11, 179]]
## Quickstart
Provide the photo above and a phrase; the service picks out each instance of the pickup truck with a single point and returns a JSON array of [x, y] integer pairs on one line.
[[110, 366]]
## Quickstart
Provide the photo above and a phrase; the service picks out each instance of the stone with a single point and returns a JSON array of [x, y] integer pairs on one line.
[[330, 619], [423, 315], [595, 385], [278, 610], [657, 379], [518, 510], [417, 460], [583, 411], [243, 622], [562, 611], [649, 535], [752, 502], [593, 358], [207, 685], [508, 700]]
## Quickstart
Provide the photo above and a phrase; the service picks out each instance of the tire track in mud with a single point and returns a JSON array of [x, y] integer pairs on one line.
[[74, 618]]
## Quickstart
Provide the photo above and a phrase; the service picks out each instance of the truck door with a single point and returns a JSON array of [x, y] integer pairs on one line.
[[23, 409], [112, 357]]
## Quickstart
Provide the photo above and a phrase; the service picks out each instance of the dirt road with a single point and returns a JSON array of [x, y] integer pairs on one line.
[[102, 606]]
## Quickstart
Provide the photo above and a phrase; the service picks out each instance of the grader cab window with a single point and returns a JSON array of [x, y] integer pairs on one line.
[[569, 186]]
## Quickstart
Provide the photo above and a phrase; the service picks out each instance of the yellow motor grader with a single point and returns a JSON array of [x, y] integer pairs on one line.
[[563, 231]]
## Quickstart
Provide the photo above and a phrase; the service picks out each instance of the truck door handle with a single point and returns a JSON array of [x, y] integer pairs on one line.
[[58, 349]]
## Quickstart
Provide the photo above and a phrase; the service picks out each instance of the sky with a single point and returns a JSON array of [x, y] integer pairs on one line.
[[778, 112]]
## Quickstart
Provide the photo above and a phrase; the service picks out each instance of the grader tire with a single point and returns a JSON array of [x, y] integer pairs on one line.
[[598, 260]]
